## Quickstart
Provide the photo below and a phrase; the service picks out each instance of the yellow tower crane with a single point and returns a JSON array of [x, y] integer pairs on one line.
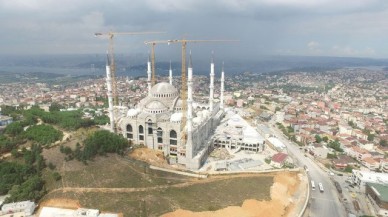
[[110, 36], [183, 75]]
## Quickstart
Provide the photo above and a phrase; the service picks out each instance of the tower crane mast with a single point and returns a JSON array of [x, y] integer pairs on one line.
[[110, 36], [112, 65]]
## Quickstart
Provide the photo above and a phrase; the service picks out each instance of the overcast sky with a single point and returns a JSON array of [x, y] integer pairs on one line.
[[356, 28]]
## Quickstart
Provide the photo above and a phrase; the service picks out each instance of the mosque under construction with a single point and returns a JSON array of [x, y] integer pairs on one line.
[[158, 121]]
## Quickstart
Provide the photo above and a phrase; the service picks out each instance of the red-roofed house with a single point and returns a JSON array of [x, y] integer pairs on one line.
[[279, 159]]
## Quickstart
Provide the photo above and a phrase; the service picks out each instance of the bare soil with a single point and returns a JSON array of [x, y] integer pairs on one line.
[[150, 156], [285, 185]]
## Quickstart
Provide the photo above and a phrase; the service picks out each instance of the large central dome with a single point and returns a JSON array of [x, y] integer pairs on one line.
[[164, 89]]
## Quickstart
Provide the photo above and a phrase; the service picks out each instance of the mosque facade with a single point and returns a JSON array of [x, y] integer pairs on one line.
[[156, 122]]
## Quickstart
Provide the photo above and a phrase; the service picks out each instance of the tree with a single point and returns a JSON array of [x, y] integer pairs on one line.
[[325, 139], [318, 139], [383, 143], [371, 137], [14, 128], [55, 107], [335, 145], [348, 169]]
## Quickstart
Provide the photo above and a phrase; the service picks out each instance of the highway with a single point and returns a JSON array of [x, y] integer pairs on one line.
[[322, 204]]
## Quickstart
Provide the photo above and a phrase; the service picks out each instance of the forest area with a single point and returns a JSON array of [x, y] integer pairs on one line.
[[21, 173]]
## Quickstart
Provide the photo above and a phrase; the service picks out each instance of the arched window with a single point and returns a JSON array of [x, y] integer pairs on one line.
[[129, 132], [173, 134], [173, 137], [141, 133], [150, 131], [141, 129], [160, 135]]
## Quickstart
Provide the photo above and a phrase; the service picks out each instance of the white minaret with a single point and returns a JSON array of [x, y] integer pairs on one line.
[[149, 76], [211, 84], [170, 73], [222, 87], [110, 96], [189, 123]]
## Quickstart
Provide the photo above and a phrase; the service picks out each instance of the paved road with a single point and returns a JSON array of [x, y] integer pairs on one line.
[[325, 204]]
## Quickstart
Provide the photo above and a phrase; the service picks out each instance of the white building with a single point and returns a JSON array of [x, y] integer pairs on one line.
[[26, 207], [236, 134], [80, 212], [157, 122], [360, 178], [276, 143]]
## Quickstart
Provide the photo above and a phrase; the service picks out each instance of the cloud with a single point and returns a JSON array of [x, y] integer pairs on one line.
[[349, 51], [313, 45], [262, 26]]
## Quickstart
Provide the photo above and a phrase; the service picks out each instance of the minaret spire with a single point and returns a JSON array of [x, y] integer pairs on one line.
[[170, 74], [222, 87], [109, 93], [211, 97], [149, 75], [189, 141]]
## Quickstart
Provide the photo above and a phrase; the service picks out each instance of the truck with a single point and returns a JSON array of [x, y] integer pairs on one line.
[[338, 187]]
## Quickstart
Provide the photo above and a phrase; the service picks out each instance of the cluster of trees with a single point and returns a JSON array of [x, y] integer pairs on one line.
[[15, 135], [98, 143], [22, 179], [319, 139], [68, 120], [289, 132], [43, 134], [7, 144], [335, 145]]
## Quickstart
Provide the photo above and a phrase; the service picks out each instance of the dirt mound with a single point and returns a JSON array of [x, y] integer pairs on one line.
[[59, 203], [150, 156], [285, 185]]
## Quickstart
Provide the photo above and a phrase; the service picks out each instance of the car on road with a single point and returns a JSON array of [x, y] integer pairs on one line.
[[320, 187]]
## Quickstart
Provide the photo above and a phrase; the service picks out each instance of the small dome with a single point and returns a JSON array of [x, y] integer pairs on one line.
[[163, 88], [155, 105], [132, 112], [178, 103], [205, 113], [197, 120], [176, 117]]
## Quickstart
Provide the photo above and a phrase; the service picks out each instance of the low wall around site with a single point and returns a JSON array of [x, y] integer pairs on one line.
[[196, 175], [205, 174], [251, 172]]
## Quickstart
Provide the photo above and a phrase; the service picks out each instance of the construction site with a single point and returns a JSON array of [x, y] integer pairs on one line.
[[184, 149]]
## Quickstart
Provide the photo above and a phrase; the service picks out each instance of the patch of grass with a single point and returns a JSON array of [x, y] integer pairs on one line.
[[196, 197], [118, 172]]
